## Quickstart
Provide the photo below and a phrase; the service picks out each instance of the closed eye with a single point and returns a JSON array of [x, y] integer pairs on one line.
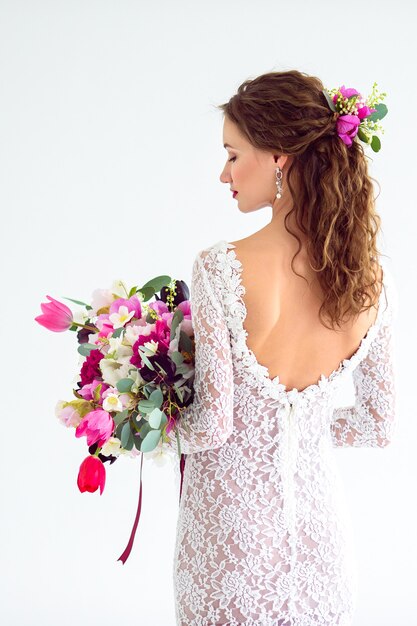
[[232, 159]]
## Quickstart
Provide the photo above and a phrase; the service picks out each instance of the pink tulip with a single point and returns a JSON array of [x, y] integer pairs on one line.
[[347, 127], [55, 316], [98, 426], [91, 475]]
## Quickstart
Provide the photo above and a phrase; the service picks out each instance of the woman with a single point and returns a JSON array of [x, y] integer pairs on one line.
[[281, 318]]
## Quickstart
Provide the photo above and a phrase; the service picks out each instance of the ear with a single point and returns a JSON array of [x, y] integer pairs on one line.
[[280, 160]]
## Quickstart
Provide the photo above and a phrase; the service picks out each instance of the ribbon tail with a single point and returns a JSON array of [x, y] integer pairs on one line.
[[128, 548], [182, 464]]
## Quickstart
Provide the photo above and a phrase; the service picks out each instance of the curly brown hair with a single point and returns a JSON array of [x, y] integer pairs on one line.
[[331, 188]]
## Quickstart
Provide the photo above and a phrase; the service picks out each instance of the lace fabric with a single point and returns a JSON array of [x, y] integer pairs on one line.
[[263, 533]]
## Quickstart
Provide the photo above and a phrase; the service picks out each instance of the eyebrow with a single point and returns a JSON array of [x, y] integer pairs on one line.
[[227, 145]]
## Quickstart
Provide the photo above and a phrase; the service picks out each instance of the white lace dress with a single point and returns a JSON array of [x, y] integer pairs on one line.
[[263, 535]]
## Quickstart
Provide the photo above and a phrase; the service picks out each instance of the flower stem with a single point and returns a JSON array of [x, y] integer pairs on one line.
[[94, 330]]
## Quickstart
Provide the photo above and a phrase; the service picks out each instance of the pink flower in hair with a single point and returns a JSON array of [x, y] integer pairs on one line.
[[347, 127]]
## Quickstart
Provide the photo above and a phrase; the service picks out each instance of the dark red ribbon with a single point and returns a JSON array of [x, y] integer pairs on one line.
[[128, 548]]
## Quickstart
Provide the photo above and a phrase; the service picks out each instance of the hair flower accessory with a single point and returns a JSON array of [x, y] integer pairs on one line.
[[357, 116]]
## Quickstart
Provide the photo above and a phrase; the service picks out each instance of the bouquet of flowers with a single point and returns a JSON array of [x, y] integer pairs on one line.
[[136, 376]]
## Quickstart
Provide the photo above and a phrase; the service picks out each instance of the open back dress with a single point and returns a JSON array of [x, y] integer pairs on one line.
[[263, 535]]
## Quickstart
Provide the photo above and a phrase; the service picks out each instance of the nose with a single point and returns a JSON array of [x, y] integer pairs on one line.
[[225, 176]]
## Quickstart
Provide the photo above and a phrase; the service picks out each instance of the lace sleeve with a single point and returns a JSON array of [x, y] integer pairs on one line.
[[209, 418], [371, 421]]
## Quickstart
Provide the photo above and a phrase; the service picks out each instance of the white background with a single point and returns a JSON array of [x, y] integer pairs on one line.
[[110, 156]]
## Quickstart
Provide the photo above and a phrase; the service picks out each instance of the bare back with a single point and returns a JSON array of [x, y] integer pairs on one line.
[[283, 328]]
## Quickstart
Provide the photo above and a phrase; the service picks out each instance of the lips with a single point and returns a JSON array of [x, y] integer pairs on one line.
[[234, 194]]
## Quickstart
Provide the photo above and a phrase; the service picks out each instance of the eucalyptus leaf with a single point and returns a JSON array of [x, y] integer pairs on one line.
[[124, 385], [151, 441], [176, 320], [146, 406], [147, 361], [376, 143], [381, 111], [137, 441], [177, 358], [85, 348], [155, 418], [129, 443], [126, 431], [120, 416], [157, 397]]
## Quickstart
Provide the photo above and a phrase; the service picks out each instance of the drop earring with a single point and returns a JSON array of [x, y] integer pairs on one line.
[[278, 175]]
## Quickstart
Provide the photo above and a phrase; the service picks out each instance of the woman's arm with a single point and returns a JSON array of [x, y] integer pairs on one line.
[[209, 419], [371, 421]]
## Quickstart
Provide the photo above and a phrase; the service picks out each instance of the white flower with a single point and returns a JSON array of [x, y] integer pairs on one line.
[[80, 316], [113, 371], [134, 330], [151, 347], [119, 289], [112, 446], [112, 403], [101, 298], [121, 318]]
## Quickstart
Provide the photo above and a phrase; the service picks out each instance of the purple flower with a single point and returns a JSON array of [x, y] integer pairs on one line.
[[346, 93], [347, 127]]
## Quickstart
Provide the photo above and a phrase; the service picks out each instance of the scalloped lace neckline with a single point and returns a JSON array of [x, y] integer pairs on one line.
[[263, 371]]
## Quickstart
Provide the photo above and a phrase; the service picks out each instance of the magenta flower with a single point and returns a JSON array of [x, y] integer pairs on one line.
[[55, 316], [347, 127], [97, 425], [91, 475], [91, 367], [365, 111], [346, 93], [160, 335]]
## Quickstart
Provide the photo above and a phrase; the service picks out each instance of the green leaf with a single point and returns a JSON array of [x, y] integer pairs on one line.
[[77, 302], [85, 348], [329, 100], [146, 406], [124, 385], [151, 440], [137, 441], [176, 320], [362, 136], [116, 333], [126, 432], [132, 292], [381, 111], [155, 418], [185, 342], [156, 283], [129, 443], [146, 361], [177, 358], [157, 397], [120, 416], [96, 393], [376, 143]]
